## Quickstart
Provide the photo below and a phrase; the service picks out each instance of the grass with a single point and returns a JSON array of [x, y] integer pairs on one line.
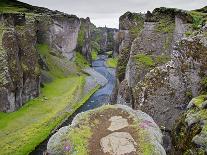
[[81, 61], [24, 129], [59, 67], [198, 19], [145, 60], [94, 55], [112, 62], [165, 26]]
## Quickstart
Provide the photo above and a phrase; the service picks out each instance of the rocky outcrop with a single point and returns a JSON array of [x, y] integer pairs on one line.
[[84, 39], [60, 32], [163, 73], [130, 26], [103, 130], [104, 36], [19, 68], [189, 134]]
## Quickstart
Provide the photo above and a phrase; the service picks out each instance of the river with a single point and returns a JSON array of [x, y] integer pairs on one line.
[[100, 97]]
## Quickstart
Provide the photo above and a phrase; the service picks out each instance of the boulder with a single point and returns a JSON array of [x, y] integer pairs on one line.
[[111, 129]]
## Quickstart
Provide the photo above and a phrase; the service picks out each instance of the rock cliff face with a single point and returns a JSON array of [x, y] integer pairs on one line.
[[163, 70], [60, 32], [189, 134], [104, 37], [84, 39], [19, 69], [35, 41]]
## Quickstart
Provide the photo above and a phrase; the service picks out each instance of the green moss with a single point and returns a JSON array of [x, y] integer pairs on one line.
[[79, 138], [112, 62], [81, 61], [162, 59], [204, 83], [165, 26], [199, 100], [109, 53], [122, 63], [81, 35], [135, 31], [94, 54], [145, 60], [24, 129], [198, 19], [86, 97], [188, 33], [189, 94], [59, 67]]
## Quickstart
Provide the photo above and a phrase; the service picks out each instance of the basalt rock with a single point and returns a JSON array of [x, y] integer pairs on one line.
[[164, 70], [20, 72], [189, 133], [114, 130]]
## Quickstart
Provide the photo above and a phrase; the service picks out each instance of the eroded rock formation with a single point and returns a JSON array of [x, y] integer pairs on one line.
[[163, 69]]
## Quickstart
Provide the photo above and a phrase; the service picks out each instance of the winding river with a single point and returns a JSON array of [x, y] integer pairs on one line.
[[102, 96]]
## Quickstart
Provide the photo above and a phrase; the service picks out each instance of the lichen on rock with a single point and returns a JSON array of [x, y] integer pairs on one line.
[[139, 136]]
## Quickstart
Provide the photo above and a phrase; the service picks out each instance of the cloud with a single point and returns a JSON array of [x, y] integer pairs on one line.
[[107, 12]]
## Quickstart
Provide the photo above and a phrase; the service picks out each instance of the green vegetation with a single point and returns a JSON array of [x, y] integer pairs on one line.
[[199, 100], [112, 62], [165, 26], [24, 129], [79, 138], [161, 59], [81, 35], [188, 33], [94, 55], [81, 61], [135, 31], [204, 83], [150, 61], [145, 60], [95, 49], [59, 67], [198, 19]]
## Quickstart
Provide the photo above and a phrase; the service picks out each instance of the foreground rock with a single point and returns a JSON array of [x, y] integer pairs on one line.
[[114, 130]]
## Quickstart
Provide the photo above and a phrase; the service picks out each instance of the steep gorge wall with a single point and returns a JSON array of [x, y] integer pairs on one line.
[[161, 73], [60, 32], [104, 37], [22, 66], [19, 71]]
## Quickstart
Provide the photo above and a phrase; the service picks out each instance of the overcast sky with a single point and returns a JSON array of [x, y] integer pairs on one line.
[[107, 12]]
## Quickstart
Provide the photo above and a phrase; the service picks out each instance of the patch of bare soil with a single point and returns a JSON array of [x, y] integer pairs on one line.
[[100, 130]]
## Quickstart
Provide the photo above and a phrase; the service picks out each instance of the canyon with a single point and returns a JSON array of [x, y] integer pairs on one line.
[[69, 87]]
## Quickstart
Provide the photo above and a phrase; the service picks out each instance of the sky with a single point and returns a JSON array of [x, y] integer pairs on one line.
[[107, 12]]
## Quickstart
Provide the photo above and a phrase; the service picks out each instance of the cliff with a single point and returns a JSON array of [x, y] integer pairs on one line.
[[34, 44], [104, 37], [162, 67]]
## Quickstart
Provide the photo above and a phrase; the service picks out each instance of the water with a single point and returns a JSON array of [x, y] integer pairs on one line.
[[102, 96]]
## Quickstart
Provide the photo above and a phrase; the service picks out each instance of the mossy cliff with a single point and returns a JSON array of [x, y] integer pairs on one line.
[[102, 39], [24, 29], [158, 65], [189, 134]]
